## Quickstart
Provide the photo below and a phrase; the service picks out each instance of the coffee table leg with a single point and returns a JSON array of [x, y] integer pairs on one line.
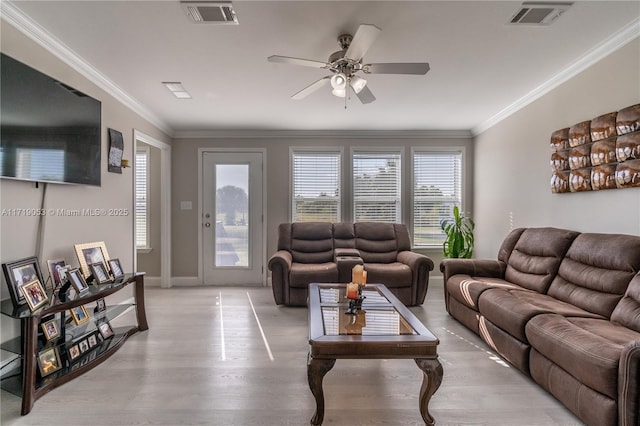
[[432, 377], [316, 370]]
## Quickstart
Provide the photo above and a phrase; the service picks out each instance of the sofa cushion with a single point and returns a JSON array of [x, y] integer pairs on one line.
[[596, 271], [512, 309], [536, 256], [466, 289], [627, 312], [304, 273], [344, 235], [376, 242], [312, 242], [394, 274], [587, 348]]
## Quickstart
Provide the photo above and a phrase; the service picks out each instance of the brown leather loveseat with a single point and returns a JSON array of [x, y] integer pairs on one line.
[[326, 252], [564, 308]]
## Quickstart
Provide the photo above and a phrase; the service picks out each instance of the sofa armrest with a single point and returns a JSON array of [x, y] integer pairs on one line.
[[629, 385], [345, 252], [420, 266], [280, 267], [473, 267]]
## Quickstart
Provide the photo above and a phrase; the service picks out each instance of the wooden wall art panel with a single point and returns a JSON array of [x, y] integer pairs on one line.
[[602, 153]]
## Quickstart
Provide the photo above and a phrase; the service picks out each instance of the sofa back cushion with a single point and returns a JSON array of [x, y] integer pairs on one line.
[[627, 311], [506, 248], [344, 235], [310, 242], [377, 242], [596, 271], [536, 256]]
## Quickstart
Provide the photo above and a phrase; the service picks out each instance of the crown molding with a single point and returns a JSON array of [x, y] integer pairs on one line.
[[18, 19], [619, 39], [318, 134]]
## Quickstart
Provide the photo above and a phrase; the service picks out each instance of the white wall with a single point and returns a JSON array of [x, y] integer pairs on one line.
[[512, 171], [18, 234]]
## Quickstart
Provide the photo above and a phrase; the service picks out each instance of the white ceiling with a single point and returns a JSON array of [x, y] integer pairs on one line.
[[480, 64]]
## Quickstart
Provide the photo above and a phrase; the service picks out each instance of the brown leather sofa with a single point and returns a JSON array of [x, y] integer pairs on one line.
[[325, 252], [564, 308]]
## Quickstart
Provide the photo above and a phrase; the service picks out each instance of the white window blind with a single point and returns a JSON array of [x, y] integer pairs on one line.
[[142, 199], [316, 186], [376, 187], [437, 187]]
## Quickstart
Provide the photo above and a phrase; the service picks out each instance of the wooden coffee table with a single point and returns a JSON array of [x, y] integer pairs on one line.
[[384, 329]]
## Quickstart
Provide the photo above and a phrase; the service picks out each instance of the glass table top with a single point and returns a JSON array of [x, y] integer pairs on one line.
[[378, 316]]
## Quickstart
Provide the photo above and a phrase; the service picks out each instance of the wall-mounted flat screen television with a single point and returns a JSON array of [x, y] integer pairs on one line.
[[49, 131]]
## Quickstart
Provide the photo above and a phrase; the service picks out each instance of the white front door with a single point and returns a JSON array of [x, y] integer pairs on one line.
[[232, 218]]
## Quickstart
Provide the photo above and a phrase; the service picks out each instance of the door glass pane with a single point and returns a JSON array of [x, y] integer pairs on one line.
[[232, 215]]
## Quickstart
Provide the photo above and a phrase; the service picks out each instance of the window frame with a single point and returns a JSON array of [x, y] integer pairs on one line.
[[339, 151], [144, 150], [402, 178], [417, 150]]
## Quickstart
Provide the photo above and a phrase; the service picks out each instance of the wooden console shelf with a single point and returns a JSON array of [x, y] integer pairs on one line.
[[25, 380]]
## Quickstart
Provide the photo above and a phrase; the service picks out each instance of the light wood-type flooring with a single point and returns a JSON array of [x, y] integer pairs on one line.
[[204, 361]]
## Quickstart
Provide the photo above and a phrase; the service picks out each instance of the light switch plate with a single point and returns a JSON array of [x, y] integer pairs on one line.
[[186, 205]]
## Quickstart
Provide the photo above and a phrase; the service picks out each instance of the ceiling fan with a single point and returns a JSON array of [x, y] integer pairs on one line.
[[347, 62]]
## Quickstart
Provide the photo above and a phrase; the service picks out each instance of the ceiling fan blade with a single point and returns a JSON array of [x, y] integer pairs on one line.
[[297, 61], [417, 68], [365, 95], [311, 88], [362, 41]]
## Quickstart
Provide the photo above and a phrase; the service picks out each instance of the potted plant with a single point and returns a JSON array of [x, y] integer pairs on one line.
[[459, 232]]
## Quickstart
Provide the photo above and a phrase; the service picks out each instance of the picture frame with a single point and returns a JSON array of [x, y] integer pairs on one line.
[[83, 345], [55, 266], [89, 253], [92, 340], [34, 294], [74, 352], [77, 280], [116, 149], [79, 314], [50, 329], [49, 361], [99, 272], [101, 305], [105, 330], [21, 272], [116, 268]]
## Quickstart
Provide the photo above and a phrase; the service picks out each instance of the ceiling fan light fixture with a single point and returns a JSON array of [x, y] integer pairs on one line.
[[341, 93], [357, 83], [339, 81]]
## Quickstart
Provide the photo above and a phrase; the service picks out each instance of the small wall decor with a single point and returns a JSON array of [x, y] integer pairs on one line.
[[603, 153], [116, 149]]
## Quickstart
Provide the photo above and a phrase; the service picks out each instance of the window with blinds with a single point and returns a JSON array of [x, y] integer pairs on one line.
[[316, 186], [377, 187], [437, 187], [142, 198]]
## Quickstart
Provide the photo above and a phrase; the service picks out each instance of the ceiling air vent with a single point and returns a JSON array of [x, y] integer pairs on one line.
[[539, 13], [204, 12]]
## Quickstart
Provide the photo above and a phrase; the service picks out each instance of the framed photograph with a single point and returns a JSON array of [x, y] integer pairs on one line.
[[79, 314], [74, 352], [89, 253], [83, 345], [54, 267], [116, 149], [77, 280], [101, 305], [50, 329], [105, 330], [21, 272], [49, 361], [116, 269], [99, 272], [34, 294], [92, 341]]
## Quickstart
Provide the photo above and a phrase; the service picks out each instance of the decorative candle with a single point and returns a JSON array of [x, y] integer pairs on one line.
[[352, 291]]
